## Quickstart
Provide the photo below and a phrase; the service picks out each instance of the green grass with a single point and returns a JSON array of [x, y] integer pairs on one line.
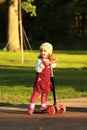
[[16, 79]]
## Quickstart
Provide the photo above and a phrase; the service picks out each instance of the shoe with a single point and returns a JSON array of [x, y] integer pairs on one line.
[[30, 111], [44, 109]]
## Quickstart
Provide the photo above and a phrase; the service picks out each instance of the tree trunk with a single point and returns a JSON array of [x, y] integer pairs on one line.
[[13, 26]]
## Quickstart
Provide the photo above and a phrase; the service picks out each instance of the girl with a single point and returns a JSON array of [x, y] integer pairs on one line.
[[42, 82]]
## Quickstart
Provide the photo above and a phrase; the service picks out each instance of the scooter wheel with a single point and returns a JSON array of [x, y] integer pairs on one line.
[[51, 110], [62, 109]]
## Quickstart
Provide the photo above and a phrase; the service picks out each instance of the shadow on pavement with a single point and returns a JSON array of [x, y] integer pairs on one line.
[[22, 109]]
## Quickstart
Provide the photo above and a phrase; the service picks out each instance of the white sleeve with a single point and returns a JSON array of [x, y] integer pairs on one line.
[[53, 65], [39, 66]]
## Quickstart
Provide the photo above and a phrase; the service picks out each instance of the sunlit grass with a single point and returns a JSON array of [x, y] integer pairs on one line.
[[67, 59], [16, 79]]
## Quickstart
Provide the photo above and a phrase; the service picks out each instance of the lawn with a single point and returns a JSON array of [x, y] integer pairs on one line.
[[16, 79]]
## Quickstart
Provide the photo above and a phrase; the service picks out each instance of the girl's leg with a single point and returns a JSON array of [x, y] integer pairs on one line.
[[43, 98], [43, 101], [32, 102], [34, 97]]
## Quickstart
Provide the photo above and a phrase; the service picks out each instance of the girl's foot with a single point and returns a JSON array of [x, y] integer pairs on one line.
[[44, 109], [30, 111]]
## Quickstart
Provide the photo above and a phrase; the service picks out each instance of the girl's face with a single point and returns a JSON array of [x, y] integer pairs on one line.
[[44, 53]]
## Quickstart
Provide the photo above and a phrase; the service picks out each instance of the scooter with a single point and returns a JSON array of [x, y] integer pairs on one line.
[[55, 107]]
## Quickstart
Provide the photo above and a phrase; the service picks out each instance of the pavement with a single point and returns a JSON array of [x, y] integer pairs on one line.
[[80, 103], [15, 117]]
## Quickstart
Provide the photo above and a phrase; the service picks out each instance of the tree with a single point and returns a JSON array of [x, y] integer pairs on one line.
[[13, 31], [13, 22], [80, 9]]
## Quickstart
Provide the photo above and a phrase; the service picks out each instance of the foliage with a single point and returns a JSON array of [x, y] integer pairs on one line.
[[2, 1], [55, 22], [80, 6], [29, 7]]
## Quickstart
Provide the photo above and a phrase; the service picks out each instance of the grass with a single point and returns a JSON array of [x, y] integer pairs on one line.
[[16, 79]]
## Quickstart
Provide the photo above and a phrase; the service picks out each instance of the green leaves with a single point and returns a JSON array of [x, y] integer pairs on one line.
[[29, 7], [2, 1]]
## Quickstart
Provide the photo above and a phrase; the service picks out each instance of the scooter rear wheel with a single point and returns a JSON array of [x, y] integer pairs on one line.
[[61, 108], [51, 110]]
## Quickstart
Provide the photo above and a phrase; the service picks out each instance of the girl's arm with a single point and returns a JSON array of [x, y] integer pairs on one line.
[[39, 66], [54, 62]]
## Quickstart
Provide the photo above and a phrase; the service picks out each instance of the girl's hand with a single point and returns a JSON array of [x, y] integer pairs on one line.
[[46, 61], [54, 60]]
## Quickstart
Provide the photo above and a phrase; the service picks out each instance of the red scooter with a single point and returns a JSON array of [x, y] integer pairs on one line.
[[55, 107]]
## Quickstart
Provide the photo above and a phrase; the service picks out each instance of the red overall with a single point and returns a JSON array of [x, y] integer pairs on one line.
[[43, 80], [42, 84]]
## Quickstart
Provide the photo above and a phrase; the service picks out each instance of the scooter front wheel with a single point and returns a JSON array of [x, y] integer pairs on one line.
[[51, 110]]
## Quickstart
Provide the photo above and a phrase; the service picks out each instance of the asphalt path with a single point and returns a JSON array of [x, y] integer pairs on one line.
[[16, 118]]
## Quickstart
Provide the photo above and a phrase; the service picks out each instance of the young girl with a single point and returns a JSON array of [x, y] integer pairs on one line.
[[42, 82]]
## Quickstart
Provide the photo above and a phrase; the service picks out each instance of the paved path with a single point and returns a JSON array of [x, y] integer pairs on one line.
[[16, 118]]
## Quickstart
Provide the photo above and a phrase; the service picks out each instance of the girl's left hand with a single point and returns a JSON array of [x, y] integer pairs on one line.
[[54, 60]]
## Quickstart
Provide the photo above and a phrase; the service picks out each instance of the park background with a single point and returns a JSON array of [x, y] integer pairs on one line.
[[64, 24]]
